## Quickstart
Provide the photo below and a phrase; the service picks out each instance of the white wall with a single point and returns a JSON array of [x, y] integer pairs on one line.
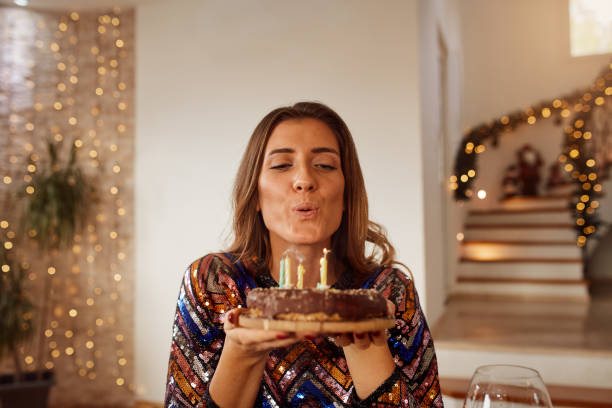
[[439, 19], [516, 53], [207, 71]]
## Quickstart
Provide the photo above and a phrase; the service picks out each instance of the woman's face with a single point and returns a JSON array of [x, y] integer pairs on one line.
[[301, 185]]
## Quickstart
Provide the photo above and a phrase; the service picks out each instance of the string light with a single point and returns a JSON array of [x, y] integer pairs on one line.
[[64, 41], [582, 169]]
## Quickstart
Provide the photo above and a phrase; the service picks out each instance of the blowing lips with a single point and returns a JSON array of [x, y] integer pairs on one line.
[[305, 210]]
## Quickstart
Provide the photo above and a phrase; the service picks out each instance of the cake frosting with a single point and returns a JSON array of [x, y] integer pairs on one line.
[[316, 304]]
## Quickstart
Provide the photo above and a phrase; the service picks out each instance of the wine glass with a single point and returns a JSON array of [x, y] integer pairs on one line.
[[506, 386]]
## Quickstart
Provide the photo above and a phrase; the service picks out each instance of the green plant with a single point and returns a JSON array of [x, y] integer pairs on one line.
[[59, 203], [16, 308]]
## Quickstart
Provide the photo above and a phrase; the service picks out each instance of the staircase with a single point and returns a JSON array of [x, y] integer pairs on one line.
[[520, 298], [524, 247]]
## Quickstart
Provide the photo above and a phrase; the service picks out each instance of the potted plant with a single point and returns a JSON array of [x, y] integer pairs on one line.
[[16, 328], [56, 207], [59, 204]]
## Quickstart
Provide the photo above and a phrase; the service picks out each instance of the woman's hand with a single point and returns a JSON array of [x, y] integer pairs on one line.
[[254, 344], [368, 357], [242, 361], [363, 340]]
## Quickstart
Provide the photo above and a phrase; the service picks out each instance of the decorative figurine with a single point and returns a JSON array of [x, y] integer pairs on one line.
[[529, 163]]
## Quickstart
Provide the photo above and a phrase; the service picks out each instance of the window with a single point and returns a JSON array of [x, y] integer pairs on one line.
[[590, 27]]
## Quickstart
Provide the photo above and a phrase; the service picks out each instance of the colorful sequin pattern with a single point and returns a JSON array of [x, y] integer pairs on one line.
[[309, 373]]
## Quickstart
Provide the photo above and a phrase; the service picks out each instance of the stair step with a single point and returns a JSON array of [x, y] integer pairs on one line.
[[506, 211], [520, 270], [564, 232], [564, 189], [491, 250], [542, 225], [518, 242], [558, 200], [532, 216], [455, 389], [513, 322], [459, 311], [589, 369], [525, 260], [537, 281], [574, 289]]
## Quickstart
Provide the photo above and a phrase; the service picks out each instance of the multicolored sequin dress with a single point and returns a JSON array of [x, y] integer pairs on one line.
[[308, 373]]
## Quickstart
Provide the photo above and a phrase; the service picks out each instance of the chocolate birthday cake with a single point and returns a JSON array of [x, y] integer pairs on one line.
[[319, 305]]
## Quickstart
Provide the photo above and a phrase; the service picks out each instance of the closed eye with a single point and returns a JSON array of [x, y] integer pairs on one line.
[[326, 166], [280, 166]]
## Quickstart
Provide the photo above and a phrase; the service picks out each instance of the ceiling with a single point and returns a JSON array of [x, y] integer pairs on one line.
[[78, 4]]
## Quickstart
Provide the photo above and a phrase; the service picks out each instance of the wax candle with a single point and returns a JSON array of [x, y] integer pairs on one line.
[[281, 279], [323, 270], [300, 278], [287, 272]]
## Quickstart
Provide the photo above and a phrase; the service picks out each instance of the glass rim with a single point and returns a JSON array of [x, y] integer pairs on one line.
[[513, 371]]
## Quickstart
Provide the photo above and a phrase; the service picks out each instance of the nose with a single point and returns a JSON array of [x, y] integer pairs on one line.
[[304, 181]]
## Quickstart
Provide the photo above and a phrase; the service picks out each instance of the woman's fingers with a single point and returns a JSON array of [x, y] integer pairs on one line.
[[253, 336], [379, 338], [265, 344], [361, 340], [343, 339], [231, 319], [307, 335], [254, 341]]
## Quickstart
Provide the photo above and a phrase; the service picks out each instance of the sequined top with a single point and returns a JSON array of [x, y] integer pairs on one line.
[[308, 373]]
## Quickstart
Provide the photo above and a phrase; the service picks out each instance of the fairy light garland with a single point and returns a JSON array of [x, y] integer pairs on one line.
[[576, 157], [583, 169], [79, 87]]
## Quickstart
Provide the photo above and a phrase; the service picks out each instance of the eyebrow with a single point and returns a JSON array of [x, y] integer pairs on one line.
[[315, 150]]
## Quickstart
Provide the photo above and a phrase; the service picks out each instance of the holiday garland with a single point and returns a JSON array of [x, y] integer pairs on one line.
[[578, 160]]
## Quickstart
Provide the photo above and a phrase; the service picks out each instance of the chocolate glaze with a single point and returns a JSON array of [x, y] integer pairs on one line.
[[351, 304]]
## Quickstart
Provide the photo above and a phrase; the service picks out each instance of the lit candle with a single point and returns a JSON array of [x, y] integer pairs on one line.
[[287, 272], [281, 279], [323, 271], [300, 279]]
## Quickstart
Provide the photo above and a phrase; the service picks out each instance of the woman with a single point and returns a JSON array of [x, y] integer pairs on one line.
[[299, 186]]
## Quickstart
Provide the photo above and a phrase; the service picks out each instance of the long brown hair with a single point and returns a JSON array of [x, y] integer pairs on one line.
[[251, 238]]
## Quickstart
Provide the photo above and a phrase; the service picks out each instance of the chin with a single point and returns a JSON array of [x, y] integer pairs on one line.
[[306, 239]]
